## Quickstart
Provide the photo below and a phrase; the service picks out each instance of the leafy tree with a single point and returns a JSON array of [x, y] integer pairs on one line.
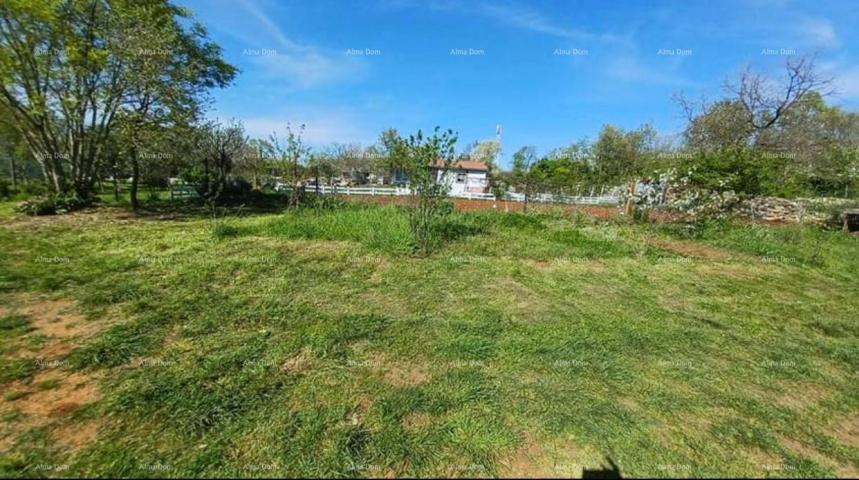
[[255, 161], [290, 156], [620, 155], [487, 152], [68, 69], [421, 157], [522, 175], [220, 147]]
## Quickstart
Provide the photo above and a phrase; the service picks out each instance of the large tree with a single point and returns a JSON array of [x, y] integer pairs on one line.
[[71, 68]]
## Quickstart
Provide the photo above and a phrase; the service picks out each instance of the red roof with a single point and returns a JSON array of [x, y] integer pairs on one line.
[[463, 165]]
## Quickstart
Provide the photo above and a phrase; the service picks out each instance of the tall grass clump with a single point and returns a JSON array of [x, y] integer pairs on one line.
[[382, 228]]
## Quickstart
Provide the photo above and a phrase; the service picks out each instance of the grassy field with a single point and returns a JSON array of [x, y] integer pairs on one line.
[[313, 343]]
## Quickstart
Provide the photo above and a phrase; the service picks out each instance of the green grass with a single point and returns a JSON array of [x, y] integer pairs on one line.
[[314, 343]]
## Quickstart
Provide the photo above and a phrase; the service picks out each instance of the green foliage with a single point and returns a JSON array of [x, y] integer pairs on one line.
[[53, 204], [422, 158], [149, 57]]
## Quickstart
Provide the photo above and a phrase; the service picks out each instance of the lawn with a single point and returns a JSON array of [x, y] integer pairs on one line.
[[313, 343]]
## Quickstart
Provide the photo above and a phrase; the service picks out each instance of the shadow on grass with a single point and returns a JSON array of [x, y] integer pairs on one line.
[[595, 473]]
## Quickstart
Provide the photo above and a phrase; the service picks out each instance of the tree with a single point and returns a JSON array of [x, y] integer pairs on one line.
[[621, 155], [219, 148], [68, 69], [522, 174], [420, 158], [801, 144], [487, 152], [290, 156], [12, 147], [255, 161]]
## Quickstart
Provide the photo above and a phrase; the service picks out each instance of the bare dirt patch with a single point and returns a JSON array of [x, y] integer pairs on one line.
[[398, 373], [847, 431], [801, 395], [56, 318], [417, 420], [544, 459], [56, 405], [808, 451], [76, 435], [406, 375], [73, 391], [691, 249], [298, 364]]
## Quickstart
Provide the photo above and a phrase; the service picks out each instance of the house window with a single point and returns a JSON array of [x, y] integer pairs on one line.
[[460, 178]]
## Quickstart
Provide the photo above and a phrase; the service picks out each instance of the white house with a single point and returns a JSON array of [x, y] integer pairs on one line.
[[463, 177]]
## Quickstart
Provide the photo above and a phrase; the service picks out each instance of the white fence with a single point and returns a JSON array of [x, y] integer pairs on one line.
[[404, 191]]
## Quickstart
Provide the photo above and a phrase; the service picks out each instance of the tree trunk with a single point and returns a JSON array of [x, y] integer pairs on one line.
[[115, 174], [135, 176], [12, 168]]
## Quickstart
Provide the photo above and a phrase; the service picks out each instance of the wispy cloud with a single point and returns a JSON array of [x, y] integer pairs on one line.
[[819, 31], [845, 78], [296, 64], [629, 68], [527, 18], [514, 15]]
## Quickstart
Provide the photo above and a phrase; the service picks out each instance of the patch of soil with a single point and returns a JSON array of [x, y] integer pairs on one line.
[[536, 459], [74, 391], [53, 406], [299, 364], [400, 374], [406, 375], [808, 451], [800, 396], [76, 435], [56, 318], [691, 249], [847, 431], [416, 421]]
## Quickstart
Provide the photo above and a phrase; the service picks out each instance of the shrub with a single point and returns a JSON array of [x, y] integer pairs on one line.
[[52, 205], [6, 190]]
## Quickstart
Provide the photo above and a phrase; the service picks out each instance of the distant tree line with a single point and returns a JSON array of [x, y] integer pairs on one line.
[[101, 95]]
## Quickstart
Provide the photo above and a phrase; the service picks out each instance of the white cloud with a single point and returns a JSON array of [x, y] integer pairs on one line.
[[819, 31], [529, 19], [296, 64], [631, 69], [845, 79], [514, 15]]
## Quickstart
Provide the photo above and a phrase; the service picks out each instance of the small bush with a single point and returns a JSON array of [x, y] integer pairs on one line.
[[6, 190], [223, 230], [52, 205], [323, 202]]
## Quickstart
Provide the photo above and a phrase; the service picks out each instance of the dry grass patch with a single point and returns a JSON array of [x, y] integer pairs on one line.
[[400, 374], [298, 364], [801, 395], [847, 431], [540, 458], [40, 406], [417, 420], [691, 249], [805, 450], [56, 318]]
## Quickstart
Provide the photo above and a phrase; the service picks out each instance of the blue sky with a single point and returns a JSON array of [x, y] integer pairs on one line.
[[549, 72]]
